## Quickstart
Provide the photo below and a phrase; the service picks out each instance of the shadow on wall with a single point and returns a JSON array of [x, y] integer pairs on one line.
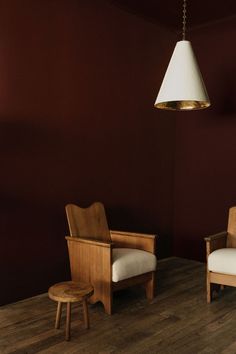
[[33, 251], [19, 137], [224, 104], [34, 162], [124, 219], [227, 103], [39, 177]]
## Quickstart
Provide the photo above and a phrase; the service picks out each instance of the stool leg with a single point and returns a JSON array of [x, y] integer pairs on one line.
[[68, 313], [86, 317], [58, 315]]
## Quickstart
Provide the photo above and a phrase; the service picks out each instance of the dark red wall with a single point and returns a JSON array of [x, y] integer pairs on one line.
[[78, 80], [205, 147]]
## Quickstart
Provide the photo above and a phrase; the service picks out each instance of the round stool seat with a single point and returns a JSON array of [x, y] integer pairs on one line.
[[70, 291]]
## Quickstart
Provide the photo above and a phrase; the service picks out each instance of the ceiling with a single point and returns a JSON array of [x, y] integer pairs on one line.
[[169, 12]]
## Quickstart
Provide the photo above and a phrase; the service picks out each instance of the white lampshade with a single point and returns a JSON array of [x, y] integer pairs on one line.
[[182, 87]]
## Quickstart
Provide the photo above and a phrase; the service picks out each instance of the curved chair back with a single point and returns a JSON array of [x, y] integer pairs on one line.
[[231, 239], [88, 222]]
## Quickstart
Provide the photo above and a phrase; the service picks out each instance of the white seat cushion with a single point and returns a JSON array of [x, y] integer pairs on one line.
[[223, 261], [129, 262]]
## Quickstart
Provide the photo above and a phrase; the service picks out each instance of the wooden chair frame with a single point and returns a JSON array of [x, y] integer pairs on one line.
[[91, 261], [217, 241]]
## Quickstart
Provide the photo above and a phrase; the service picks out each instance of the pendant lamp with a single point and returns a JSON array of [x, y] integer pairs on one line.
[[182, 87]]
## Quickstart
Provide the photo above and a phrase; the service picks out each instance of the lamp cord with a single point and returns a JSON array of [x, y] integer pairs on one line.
[[184, 20]]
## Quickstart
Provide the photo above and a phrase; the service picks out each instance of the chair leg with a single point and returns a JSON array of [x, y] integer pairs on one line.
[[107, 303], [208, 288], [108, 306], [105, 299], [86, 317], [150, 287], [68, 314], [58, 315]]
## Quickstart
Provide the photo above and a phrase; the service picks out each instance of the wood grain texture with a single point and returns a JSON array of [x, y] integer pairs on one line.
[[70, 291], [88, 222], [222, 279], [91, 263], [177, 321], [231, 239]]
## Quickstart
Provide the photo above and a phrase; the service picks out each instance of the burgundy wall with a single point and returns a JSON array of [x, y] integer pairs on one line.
[[78, 80], [205, 148]]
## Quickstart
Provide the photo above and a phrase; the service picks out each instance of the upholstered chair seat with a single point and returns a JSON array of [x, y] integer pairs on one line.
[[223, 261], [128, 263]]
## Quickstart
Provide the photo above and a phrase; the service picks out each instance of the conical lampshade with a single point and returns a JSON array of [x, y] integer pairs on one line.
[[182, 87]]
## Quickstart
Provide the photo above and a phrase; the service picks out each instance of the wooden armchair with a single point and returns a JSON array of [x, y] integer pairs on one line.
[[109, 260], [221, 256]]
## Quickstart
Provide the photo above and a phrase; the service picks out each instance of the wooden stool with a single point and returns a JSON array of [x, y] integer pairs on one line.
[[69, 292]]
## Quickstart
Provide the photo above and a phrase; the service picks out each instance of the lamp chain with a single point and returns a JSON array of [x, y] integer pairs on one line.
[[184, 19]]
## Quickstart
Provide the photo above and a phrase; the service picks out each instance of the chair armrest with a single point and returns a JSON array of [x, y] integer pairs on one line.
[[210, 238], [90, 241], [215, 242], [136, 234], [124, 239]]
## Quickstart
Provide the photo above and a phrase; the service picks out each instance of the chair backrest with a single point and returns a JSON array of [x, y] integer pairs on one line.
[[88, 222], [231, 239]]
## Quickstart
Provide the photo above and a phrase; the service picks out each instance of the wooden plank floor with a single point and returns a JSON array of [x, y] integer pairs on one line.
[[177, 321]]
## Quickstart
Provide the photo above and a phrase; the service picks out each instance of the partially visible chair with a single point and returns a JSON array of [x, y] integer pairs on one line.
[[109, 260], [221, 256]]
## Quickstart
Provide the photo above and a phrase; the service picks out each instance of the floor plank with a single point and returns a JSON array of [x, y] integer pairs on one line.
[[178, 320]]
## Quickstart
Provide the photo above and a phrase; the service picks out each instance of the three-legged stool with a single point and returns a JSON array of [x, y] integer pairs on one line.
[[68, 292]]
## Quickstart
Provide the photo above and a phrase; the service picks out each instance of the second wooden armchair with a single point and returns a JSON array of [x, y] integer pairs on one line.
[[109, 260], [221, 256]]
